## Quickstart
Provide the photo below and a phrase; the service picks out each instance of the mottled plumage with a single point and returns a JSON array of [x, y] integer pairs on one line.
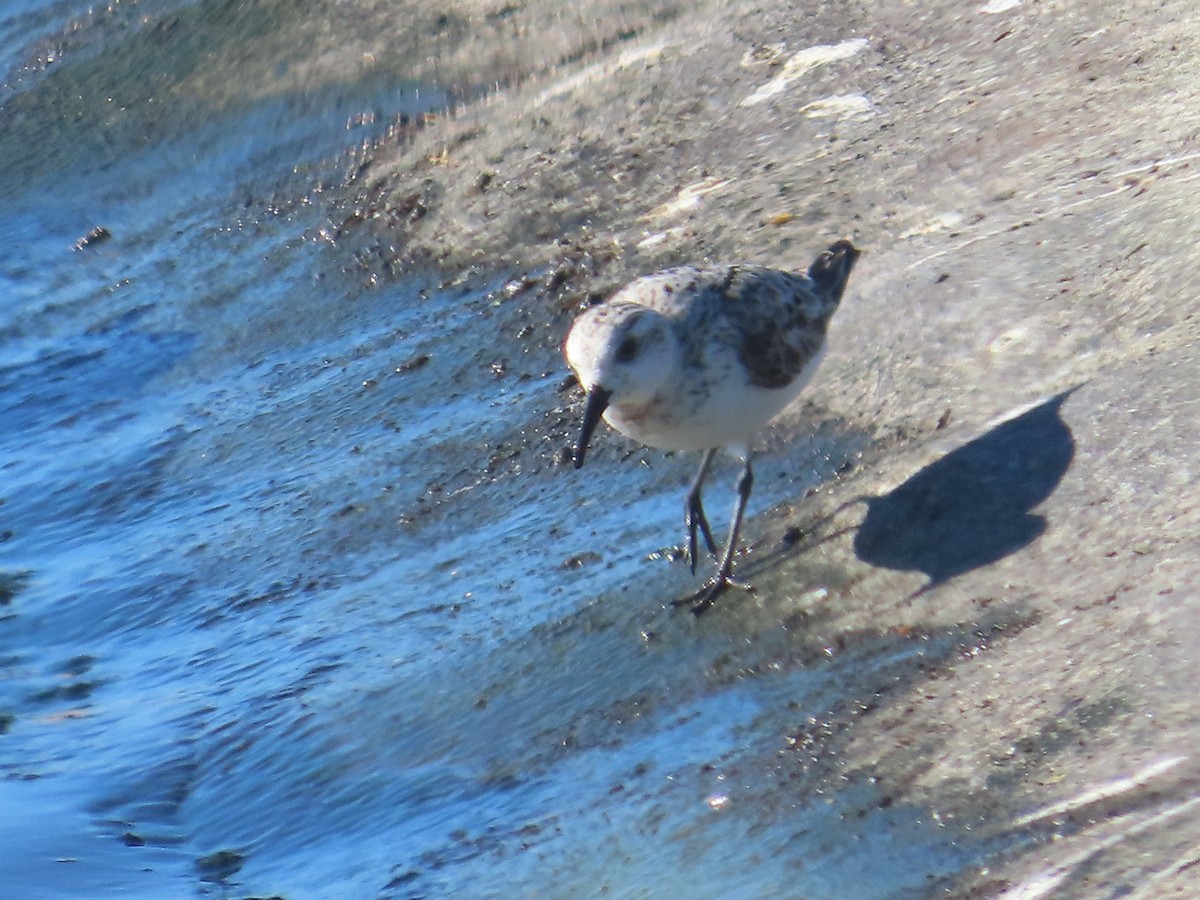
[[703, 358]]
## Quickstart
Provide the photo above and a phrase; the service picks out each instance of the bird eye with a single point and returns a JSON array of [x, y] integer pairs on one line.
[[627, 350]]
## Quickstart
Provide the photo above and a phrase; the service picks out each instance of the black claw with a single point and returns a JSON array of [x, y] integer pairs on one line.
[[704, 604], [702, 600]]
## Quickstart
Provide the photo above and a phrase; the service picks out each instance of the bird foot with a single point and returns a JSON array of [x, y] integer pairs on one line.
[[702, 600]]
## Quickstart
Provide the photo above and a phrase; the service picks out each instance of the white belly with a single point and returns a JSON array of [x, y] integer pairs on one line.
[[731, 412]]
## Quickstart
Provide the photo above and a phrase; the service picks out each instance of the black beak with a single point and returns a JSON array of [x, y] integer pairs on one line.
[[597, 402]]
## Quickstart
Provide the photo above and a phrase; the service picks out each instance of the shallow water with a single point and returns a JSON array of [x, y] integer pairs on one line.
[[297, 599]]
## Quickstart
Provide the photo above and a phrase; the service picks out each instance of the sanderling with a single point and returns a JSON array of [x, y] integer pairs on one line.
[[702, 359]]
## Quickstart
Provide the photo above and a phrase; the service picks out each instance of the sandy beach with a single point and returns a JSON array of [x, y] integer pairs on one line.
[[1019, 342]]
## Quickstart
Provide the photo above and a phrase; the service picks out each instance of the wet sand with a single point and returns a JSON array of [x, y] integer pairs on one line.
[[1019, 341]]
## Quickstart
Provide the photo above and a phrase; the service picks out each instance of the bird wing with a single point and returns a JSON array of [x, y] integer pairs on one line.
[[777, 322], [773, 321]]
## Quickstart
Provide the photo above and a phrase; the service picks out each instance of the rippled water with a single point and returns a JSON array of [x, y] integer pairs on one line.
[[294, 597]]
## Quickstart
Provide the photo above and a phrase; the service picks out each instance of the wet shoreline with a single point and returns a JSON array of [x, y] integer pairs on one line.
[[298, 597]]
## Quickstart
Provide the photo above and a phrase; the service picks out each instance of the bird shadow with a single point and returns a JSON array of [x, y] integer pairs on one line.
[[973, 506], [967, 509]]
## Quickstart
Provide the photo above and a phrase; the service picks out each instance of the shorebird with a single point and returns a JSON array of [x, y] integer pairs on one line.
[[702, 358]]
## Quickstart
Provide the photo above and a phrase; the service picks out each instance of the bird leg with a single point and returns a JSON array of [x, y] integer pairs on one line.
[[694, 512], [703, 599]]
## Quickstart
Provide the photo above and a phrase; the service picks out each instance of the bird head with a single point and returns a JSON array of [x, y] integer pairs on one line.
[[622, 354]]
